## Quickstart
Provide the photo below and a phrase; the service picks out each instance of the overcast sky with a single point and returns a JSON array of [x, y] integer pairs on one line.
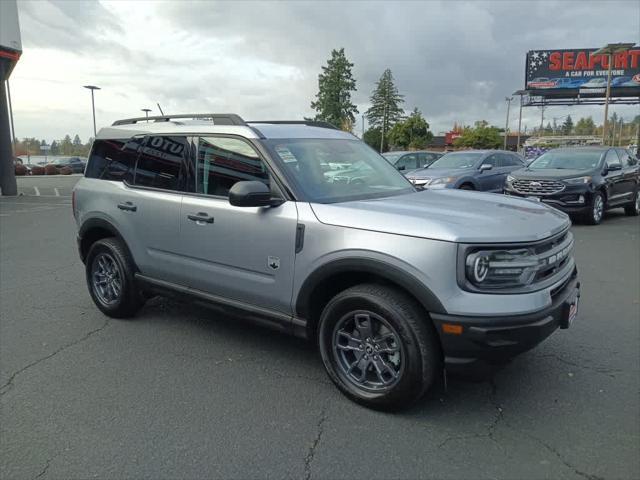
[[456, 61]]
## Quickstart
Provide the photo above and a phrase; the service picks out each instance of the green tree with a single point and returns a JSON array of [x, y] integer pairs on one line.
[[66, 146], [413, 132], [55, 150], [585, 126], [482, 135], [567, 126], [385, 110], [373, 138], [335, 85]]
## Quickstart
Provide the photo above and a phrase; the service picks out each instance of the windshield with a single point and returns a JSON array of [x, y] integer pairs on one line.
[[457, 160], [336, 170], [563, 159]]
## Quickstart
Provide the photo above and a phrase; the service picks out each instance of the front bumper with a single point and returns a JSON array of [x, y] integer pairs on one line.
[[486, 341], [573, 200]]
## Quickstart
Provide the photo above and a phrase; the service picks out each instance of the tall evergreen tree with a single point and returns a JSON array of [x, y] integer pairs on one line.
[[567, 126], [386, 103], [335, 84]]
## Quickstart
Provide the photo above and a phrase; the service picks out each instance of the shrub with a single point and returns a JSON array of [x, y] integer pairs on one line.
[[51, 170], [66, 171], [37, 170], [21, 170]]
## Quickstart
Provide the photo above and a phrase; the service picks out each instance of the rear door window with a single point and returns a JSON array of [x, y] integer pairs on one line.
[[409, 162], [163, 163]]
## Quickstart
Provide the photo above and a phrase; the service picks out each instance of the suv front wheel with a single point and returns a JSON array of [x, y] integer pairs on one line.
[[378, 347], [110, 277]]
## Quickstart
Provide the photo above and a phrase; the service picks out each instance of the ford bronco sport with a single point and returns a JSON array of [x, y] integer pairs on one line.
[[392, 283]]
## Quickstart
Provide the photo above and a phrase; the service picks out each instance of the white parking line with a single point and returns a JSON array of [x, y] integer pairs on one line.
[[55, 190], [37, 191]]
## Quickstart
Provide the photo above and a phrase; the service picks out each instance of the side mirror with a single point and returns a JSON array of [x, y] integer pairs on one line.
[[485, 166], [402, 167], [251, 194]]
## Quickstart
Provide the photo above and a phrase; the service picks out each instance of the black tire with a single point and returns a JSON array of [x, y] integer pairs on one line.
[[124, 301], [591, 217], [407, 330], [466, 186], [633, 209]]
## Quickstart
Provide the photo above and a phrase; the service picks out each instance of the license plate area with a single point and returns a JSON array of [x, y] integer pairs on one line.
[[570, 309]]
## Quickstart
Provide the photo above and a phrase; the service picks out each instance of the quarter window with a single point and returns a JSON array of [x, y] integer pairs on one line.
[[224, 161], [113, 159], [162, 163]]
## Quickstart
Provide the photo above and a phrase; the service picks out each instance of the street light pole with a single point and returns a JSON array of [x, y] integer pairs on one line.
[[146, 112], [93, 106], [506, 127], [520, 93]]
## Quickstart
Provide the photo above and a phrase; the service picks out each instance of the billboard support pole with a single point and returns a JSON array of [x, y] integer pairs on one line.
[[519, 125], [506, 127], [606, 101], [8, 183]]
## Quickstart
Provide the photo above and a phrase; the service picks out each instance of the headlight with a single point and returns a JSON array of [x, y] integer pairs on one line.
[[510, 178], [419, 182], [578, 180], [442, 181], [502, 268]]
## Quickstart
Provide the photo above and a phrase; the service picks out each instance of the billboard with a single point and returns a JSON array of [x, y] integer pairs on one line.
[[579, 73], [10, 44]]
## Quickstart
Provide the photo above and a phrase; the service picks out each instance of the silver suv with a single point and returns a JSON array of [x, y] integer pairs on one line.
[[392, 283]]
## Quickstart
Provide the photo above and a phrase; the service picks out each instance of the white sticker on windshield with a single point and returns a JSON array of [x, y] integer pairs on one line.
[[285, 154]]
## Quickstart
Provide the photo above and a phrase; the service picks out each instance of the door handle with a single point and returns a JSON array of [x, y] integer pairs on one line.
[[200, 217], [127, 206]]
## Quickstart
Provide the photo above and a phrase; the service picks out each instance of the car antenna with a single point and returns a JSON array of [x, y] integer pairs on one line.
[[160, 108]]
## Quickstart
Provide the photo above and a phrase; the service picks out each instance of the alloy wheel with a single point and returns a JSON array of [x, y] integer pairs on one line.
[[598, 208], [106, 279], [368, 351]]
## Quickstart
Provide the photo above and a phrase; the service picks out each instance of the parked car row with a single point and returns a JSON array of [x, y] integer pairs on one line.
[[582, 181], [59, 166]]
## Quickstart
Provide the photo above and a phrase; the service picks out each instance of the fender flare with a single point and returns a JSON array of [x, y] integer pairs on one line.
[[365, 265], [102, 224]]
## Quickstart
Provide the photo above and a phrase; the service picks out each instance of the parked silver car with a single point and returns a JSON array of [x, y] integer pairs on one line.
[[391, 283]]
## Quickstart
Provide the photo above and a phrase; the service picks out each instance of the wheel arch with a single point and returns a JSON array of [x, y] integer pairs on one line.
[[333, 277], [96, 229]]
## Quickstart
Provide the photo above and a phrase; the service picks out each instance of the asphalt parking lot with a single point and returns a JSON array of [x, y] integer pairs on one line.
[[181, 392]]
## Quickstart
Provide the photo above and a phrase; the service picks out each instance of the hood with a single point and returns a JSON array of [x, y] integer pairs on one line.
[[549, 173], [439, 172], [449, 215]]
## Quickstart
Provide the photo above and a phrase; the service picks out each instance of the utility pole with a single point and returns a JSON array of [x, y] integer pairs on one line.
[[506, 127], [384, 118], [146, 111], [363, 126], [541, 120]]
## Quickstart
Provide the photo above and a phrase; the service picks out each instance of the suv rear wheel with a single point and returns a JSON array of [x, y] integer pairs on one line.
[[377, 346], [110, 278]]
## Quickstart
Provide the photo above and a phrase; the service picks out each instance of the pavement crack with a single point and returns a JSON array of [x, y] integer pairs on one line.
[[575, 470], [7, 386], [312, 450], [44, 470]]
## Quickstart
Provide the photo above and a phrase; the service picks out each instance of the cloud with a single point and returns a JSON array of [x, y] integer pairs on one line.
[[456, 61]]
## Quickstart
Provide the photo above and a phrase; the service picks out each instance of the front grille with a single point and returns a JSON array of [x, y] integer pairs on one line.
[[538, 187]]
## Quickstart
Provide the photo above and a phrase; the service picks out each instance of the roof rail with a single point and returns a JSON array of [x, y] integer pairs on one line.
[[217, 118], [310, 123]]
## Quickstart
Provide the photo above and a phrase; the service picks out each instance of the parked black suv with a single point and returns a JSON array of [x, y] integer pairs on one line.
[[581, 181]]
